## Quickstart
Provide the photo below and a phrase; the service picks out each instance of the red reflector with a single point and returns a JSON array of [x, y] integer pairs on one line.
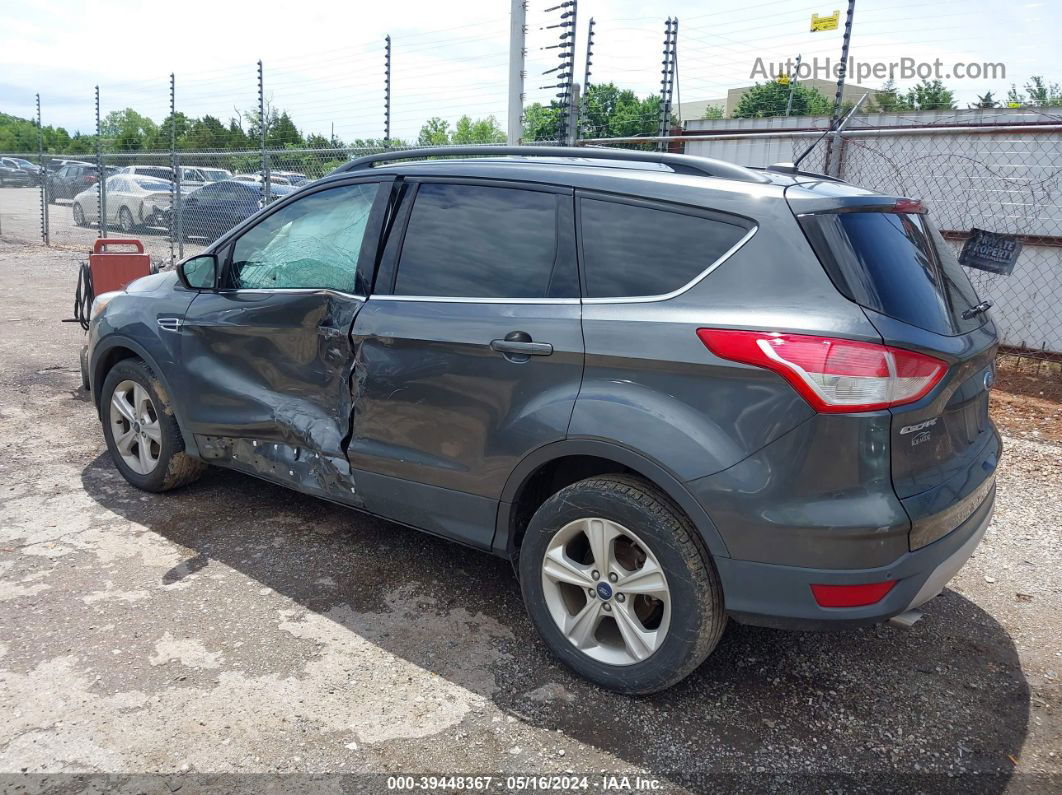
[[851, 595]]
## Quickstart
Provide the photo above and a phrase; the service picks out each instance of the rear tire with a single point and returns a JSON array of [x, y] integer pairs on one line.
[[141, 430], [79, 215], [678, 610]]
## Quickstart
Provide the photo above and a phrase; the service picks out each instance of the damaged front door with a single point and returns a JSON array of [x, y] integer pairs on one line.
[[268, 357]]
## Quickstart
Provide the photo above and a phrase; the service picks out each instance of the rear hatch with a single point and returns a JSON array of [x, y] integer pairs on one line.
[[886, 255]]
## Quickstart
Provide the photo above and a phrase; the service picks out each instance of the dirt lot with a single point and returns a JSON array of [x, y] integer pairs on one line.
[[235, 627]]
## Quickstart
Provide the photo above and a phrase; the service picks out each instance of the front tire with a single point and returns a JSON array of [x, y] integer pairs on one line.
[[125, 221], [141, 431], [79, 215], [619, 586]]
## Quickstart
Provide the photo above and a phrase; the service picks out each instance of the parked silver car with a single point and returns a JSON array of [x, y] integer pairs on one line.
[[132, 201]]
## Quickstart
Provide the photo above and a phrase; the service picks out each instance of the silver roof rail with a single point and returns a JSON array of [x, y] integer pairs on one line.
[[688, 164]]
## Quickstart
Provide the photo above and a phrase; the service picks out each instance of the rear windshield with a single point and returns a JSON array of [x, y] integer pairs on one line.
[[153, 184], [895, 264]]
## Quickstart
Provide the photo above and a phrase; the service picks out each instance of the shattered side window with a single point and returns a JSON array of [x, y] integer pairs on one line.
[[312, 243]]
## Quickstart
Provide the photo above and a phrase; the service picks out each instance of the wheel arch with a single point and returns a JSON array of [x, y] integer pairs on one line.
[[111, 350], [575, 459]]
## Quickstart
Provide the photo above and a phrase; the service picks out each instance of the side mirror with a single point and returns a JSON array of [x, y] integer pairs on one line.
[[199, 273]]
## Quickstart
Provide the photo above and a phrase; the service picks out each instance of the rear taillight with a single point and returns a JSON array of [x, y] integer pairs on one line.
[[88, 179], [851, 595], [833, 375]]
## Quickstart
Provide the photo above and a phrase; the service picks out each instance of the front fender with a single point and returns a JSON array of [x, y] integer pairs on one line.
[[99, 357]]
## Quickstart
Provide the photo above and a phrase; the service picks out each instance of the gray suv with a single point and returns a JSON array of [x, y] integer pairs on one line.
[[670, 389]]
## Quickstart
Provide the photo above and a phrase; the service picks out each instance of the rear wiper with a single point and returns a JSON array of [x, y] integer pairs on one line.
[[974, 311]]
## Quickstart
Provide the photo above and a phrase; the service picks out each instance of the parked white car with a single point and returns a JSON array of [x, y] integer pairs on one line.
[[257, 178], [213, 174], [192, 176], [133, 201]]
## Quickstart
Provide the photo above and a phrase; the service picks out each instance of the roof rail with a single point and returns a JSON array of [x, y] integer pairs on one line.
[[689, 164]]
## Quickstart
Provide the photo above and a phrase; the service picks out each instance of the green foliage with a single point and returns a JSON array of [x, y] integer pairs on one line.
[[930, 95], [712, 112], [888, 99], [609, 112], [985, 100], [436, 132], [1043, 94], [770, 99]]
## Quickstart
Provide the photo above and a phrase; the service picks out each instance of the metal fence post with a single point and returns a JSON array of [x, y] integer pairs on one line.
[[842, 69], [584, 101], [101, 181], [667, 85], [176, 203], [45, 232], [262, 135], [387, 91]]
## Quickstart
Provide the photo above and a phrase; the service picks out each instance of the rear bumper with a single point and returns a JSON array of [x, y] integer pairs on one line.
[[780, 596]]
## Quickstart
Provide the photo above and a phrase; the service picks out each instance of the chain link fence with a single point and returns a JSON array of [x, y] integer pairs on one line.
[[1002, 178], [994, 175]]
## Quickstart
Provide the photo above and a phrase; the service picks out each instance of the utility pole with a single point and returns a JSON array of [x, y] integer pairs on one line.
[[45, 232], [517, 54], [387, 91], [573, 117], [792, 86], [101, 196]]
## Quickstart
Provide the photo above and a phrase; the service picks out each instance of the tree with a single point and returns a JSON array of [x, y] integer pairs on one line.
[[205, 134], [888, 99], [985, 100], [480, 131], [435, 132], [712, 112], [282, 132], [126, 130], [771, 99], [609, 112], [1043, 94], [930, 95]]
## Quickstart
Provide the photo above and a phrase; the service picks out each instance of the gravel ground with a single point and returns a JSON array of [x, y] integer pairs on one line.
[[234, 627]]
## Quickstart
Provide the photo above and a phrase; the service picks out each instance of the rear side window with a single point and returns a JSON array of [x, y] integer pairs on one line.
[[893, 264], [477, 241], [639, 250]]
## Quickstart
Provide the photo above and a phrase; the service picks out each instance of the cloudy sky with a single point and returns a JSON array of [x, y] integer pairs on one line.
[[323, 62]]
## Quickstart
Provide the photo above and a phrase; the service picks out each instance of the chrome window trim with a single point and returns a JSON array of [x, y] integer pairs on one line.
[[644, 299], [447, 299], [288, 291], [634, 299]]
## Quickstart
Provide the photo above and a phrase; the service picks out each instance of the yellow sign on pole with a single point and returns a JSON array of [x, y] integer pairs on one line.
[[825, 23], [783, 79]]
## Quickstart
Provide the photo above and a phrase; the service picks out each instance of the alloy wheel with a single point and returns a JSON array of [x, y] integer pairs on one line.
[[135, 427], [125, 218], [79, 215], [606, 591]]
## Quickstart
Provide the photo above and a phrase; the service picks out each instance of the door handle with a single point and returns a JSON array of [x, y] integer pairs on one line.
[[518, 343]]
